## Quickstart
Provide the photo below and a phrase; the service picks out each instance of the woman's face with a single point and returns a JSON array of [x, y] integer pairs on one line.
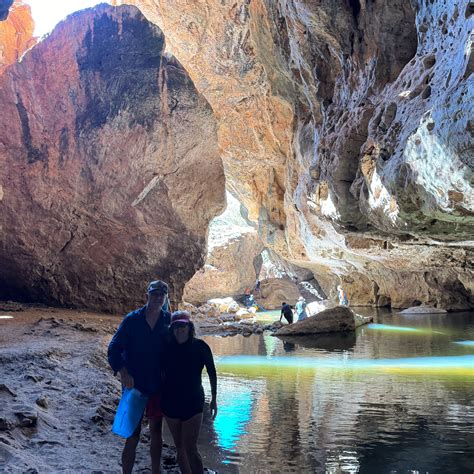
[[181, 332]]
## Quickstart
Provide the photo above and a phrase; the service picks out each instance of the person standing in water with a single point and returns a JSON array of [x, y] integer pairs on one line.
[[183, 393], [300, 308], [343, 301], [287, 312], [136, 352]]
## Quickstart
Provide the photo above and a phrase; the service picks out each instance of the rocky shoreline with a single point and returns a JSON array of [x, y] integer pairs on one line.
[[58, 395]]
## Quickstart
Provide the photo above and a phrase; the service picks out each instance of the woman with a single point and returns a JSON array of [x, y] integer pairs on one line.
[[183, 394]]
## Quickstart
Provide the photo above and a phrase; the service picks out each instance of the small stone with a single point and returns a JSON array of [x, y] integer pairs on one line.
[[4, 388], [5, 425], [27, 417], [42, 402], [34, 378]]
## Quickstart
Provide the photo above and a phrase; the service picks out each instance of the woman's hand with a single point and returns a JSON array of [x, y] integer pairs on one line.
[[213, 408]]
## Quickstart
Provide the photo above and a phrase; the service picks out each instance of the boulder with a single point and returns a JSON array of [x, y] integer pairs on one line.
[[106, 155], [338, 319], [224, 305], [276, 290]]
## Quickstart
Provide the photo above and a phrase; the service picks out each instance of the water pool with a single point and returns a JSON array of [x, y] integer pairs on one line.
[[380, 400]]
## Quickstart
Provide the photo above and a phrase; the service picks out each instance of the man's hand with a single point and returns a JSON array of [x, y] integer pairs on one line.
[[213, 408], [126, 378]]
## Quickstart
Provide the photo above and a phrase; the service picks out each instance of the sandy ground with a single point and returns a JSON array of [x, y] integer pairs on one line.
[[58, 394]]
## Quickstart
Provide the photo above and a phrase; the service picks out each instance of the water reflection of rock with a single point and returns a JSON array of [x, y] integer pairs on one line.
[[336, 342], [309, 420]]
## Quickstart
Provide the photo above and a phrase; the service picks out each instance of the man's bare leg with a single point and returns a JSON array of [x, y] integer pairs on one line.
[[156, 445], [129, 451]]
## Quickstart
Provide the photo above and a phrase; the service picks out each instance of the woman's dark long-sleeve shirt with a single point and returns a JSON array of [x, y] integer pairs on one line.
[[182, 368]]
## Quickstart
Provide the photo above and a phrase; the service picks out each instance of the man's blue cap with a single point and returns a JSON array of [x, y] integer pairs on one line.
[[157, 286]]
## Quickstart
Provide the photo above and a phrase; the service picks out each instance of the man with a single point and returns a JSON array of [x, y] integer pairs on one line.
[[287, 312], [135, 352], [300, 308], [257, 288]]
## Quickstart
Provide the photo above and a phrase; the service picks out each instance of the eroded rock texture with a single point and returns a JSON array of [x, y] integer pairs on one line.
[[107, 154], [345, 128], [233, 260], [16, 34]]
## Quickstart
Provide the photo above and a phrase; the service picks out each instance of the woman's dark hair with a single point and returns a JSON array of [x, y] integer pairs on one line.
[[192, 329]]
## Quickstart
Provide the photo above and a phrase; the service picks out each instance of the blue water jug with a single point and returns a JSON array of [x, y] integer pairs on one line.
[[129, 412]]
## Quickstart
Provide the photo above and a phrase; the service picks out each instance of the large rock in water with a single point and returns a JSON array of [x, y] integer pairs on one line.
[[338, 319], [106, 155], [346, 129]]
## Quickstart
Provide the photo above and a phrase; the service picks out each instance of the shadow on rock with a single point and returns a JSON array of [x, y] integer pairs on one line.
[[328, 342]]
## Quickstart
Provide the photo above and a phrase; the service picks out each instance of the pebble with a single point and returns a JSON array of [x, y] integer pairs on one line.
[[42, 402]]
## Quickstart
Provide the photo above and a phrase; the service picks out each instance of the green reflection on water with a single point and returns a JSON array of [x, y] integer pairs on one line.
[[461, 365], [405, 329]]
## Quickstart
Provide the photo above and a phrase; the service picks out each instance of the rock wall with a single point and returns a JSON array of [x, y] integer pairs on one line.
[[346, 130], [106, 155], [4, 9], [233, 247], [16, 34]]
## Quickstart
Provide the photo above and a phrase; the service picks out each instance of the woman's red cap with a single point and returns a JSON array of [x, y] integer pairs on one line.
[[180, 317]]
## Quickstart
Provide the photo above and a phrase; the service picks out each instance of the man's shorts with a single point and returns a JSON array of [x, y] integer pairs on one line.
[[153, 408]]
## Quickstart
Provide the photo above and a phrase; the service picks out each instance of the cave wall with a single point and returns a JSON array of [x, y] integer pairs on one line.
[[106, 155], [345, 129], [16, 34]]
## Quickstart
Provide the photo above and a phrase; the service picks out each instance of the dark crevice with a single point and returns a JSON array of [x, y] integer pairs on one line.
[[33, 153], [355, 7]]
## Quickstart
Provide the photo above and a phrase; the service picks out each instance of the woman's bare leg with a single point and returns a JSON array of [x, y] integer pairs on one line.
[[175, 426], [189, 435]]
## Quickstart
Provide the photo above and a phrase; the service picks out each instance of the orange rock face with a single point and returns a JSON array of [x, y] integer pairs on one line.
[[344, 121], [109, 168], [16, 34]]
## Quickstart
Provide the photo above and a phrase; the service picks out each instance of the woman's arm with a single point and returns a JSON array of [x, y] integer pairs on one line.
[[211, 372]]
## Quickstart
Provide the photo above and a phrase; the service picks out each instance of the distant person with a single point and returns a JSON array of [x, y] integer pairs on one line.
[[135, 352], [257, 288], [250, 301], [300, 308], [287, 312], [343, 301], [183, 394]]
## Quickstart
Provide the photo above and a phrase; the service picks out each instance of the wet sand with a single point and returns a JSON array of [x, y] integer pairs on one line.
[[58, 395]]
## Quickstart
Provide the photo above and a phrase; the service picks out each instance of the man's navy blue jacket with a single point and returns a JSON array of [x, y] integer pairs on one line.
[[139, 348]]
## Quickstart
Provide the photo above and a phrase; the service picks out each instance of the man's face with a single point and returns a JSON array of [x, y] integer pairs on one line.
[[156, 298]]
